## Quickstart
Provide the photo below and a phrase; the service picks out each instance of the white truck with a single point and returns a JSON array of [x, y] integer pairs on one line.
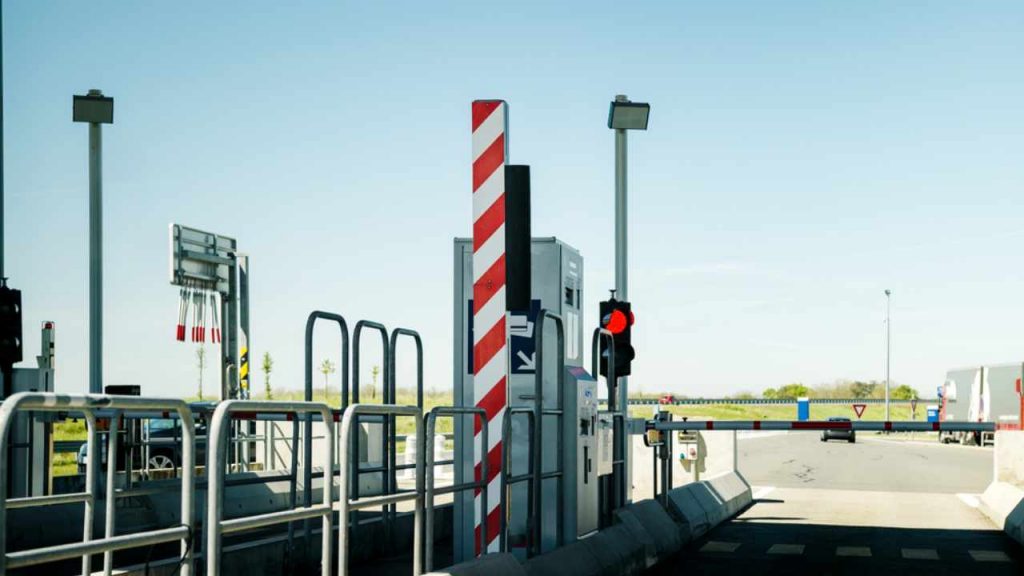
[[981, 394]]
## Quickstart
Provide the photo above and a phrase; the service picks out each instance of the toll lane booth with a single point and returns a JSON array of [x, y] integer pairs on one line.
[[557, 286]]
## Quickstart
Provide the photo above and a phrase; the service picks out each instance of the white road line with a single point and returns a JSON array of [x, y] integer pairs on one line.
[[989, 555], [714, 546], [859, 551], [919, 553], [969, 499], [762, 492], [789, 549]]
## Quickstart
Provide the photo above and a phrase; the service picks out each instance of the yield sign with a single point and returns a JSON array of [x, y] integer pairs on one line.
[[858, 409]]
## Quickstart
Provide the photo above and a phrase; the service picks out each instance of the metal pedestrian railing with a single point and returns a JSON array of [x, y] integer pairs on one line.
[[431, 492], [88, 405], [617, 410], [508, 479], [540, 412], [216, 526], [349, 459]]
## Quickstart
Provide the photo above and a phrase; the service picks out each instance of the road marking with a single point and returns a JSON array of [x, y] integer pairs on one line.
[[919, 554], [761, 493], [860, 551], [713, 546], [989, 555], [794, 549], [969, 499]]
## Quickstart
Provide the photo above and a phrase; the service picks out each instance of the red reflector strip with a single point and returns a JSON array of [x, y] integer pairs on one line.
[[244, 415], [757, 424], [935, 425], [888, 425], [711, 425]]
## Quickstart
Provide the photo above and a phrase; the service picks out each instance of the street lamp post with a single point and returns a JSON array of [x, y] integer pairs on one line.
[[624, 115], [888, 349], [95, 109]]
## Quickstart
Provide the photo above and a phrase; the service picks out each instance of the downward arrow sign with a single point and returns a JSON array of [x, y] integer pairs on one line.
[[527, 361]]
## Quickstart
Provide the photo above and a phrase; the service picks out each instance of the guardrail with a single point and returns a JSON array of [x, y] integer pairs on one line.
[[481, 484], [346, 506], [216, 526], [88, 405]]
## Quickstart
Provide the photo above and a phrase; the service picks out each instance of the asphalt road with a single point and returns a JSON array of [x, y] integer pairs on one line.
[[801, 460], [877, 507]]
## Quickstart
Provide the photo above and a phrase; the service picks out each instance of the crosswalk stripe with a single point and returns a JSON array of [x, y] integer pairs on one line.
[[794, 549], [714, 546], [919, 554], [989, 555], [859, 551]]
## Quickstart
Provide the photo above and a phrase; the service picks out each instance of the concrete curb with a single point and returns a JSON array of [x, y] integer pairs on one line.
[[1004, 504]]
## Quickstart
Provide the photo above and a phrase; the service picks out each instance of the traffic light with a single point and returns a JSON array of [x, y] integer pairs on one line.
[[617, 318], [10, 326]]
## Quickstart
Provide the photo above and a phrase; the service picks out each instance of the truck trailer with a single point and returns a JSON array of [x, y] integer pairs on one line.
[[980, 394]]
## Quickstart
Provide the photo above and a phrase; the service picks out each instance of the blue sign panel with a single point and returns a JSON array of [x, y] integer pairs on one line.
[[522, 355]]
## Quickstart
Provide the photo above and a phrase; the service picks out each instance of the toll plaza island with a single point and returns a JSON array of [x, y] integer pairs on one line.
[[546, 472]]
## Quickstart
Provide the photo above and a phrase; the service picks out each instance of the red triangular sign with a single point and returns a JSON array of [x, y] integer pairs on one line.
[[859, 409]]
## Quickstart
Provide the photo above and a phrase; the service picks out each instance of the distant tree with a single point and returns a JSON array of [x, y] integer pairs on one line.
[[268, 366], [770, 394], [903, 392], [326, 368], [374, 372], [742, 396], [794, 390], [862, 389], [201, 362]]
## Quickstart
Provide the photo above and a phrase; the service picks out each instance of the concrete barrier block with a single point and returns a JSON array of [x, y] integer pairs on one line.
[[688, 512], [617, 551], [486, 565], [1004, 504], [651, 524], [574, 559], [709, 501], [733, 491]]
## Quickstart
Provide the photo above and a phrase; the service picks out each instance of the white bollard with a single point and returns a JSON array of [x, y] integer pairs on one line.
[[441, 456], [410, 456]]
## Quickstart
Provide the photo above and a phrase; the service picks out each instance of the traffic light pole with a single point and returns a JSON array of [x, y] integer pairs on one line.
[[622, 275], [621, 270]]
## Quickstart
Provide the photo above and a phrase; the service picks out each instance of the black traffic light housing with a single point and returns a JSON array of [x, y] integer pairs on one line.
[[10, 334], [617, 317]]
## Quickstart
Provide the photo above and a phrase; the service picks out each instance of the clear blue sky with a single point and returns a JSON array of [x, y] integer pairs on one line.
[[801, 158]]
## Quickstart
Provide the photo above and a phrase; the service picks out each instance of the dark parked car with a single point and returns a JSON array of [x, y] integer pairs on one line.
[[848, 435], [163, 438]]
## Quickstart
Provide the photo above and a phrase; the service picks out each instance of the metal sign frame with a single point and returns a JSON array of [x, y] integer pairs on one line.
[[209, 261]]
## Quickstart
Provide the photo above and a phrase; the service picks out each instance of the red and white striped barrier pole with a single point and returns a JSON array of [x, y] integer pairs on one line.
[[822, 425], [490, 332], [179, 334]]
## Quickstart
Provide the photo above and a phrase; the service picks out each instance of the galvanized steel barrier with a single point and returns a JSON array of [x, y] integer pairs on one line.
[[431, 492], [346, 505], [216, 526], [88, 405]]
